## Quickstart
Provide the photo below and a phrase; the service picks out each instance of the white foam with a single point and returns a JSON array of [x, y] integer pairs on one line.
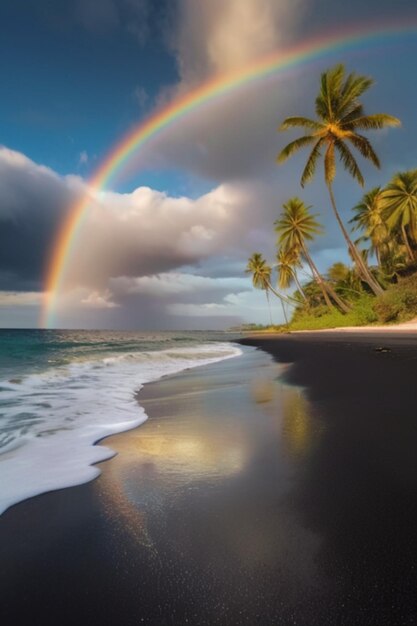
[[50, 421]]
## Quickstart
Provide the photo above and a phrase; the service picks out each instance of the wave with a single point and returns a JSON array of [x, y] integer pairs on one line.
[[50, 422]]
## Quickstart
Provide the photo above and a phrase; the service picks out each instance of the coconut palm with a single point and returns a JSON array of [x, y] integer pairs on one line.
[[261, 275], [399, 207], [368, 218], [340, 116], [288, 259], [345, 279], [261, 279], [295, 227]]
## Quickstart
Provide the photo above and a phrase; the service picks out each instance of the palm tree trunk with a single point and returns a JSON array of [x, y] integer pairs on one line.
[[407, 243], [357, 258], [297, 282], [285, 313], [325, 287], [341, 303], [378, 256], [269, 306], [317, 276], [283, 298]]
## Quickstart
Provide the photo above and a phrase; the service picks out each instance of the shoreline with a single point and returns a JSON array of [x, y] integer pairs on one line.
[[111, 413], [403, 327], [241, 499]]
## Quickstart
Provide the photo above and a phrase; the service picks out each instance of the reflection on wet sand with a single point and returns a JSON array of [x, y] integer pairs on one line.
[[298, 431], [161, 460], [197, 452], [167, 454]]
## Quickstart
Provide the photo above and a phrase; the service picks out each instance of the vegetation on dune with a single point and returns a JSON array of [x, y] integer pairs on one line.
[[399, 302], [381, 238]]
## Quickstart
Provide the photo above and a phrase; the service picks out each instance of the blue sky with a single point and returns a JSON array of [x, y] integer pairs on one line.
[[76, 75], [69, 86]]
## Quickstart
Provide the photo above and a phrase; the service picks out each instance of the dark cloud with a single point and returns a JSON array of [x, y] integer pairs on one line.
[[33, 200]]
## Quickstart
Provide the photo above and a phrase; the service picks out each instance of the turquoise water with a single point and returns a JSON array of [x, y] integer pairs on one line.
[[62, 391], [29, 351]]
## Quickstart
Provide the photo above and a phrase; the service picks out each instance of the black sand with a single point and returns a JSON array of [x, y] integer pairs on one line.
[[241, 501]]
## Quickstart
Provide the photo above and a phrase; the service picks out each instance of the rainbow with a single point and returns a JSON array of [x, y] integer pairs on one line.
[[308, 52]]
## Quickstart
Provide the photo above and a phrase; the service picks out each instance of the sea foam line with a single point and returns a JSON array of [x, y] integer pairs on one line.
[[50, 422]]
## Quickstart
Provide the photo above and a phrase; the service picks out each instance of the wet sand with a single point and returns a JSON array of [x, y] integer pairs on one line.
[[242, 500]]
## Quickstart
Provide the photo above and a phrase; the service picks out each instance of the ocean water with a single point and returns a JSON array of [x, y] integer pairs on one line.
[[63, 391]]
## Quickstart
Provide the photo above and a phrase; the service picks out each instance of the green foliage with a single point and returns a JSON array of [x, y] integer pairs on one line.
[[320, 317], [296, 225], [288, 259], [399, 302], [338, 127], [364, 310], [386, 218], [260, 271], [399, 209]]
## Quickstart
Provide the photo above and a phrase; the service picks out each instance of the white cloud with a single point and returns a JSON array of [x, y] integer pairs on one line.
[[148, 232], [134, 234], [99, 300], [215, 36]]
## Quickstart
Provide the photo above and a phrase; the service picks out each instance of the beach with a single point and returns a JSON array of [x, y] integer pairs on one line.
[[277, 487]]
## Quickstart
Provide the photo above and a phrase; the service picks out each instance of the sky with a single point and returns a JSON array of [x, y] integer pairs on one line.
[[165, 247]]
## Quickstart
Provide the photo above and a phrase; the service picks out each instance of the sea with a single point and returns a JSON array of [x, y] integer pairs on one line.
[[62, 391]]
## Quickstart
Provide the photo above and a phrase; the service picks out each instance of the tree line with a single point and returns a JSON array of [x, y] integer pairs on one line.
[[384, 221]]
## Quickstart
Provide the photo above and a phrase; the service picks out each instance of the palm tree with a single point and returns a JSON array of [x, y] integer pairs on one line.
[[370, 220], [340, 116], [261, 275], [288, 259], [399, 206], [345, 279], [261, 279], [295, 227]]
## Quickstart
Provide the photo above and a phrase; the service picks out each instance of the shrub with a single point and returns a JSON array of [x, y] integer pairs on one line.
[[362, 313], [399, 302], [363, 310]]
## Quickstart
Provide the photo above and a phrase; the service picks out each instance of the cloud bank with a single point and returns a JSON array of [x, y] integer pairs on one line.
[[134, 248]]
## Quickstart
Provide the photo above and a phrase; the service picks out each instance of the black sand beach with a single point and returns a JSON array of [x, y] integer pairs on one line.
[[242, 500]]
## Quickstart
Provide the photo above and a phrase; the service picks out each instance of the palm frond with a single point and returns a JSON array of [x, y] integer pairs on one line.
[[321, 107], [300, 122], [310, 167], [349, 161], [365, 148], [349, 116], [355, 86], [333, 79], [375, 121], [294, 146]]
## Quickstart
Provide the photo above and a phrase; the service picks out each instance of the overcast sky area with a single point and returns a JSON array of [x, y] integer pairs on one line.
[[165, 247]]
